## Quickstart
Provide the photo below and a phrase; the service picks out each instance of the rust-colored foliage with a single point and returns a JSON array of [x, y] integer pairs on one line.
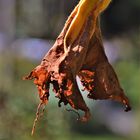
[[82, 55]]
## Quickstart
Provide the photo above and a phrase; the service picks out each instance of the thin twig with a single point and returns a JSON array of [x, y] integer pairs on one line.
[[38, 115], [71, 110]]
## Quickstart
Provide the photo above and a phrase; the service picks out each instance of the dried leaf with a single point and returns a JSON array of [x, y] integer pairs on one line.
[[78, 51]]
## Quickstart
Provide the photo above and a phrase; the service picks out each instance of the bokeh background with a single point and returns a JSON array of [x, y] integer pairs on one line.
[[28, 28]]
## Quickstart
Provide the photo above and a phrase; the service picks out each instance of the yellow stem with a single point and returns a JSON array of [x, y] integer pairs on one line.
[[84, 8]]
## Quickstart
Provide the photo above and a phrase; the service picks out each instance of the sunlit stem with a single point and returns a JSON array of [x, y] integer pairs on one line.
[[85, 7]]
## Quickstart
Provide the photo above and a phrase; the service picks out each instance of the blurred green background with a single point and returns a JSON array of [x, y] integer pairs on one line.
[[28, 28]]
